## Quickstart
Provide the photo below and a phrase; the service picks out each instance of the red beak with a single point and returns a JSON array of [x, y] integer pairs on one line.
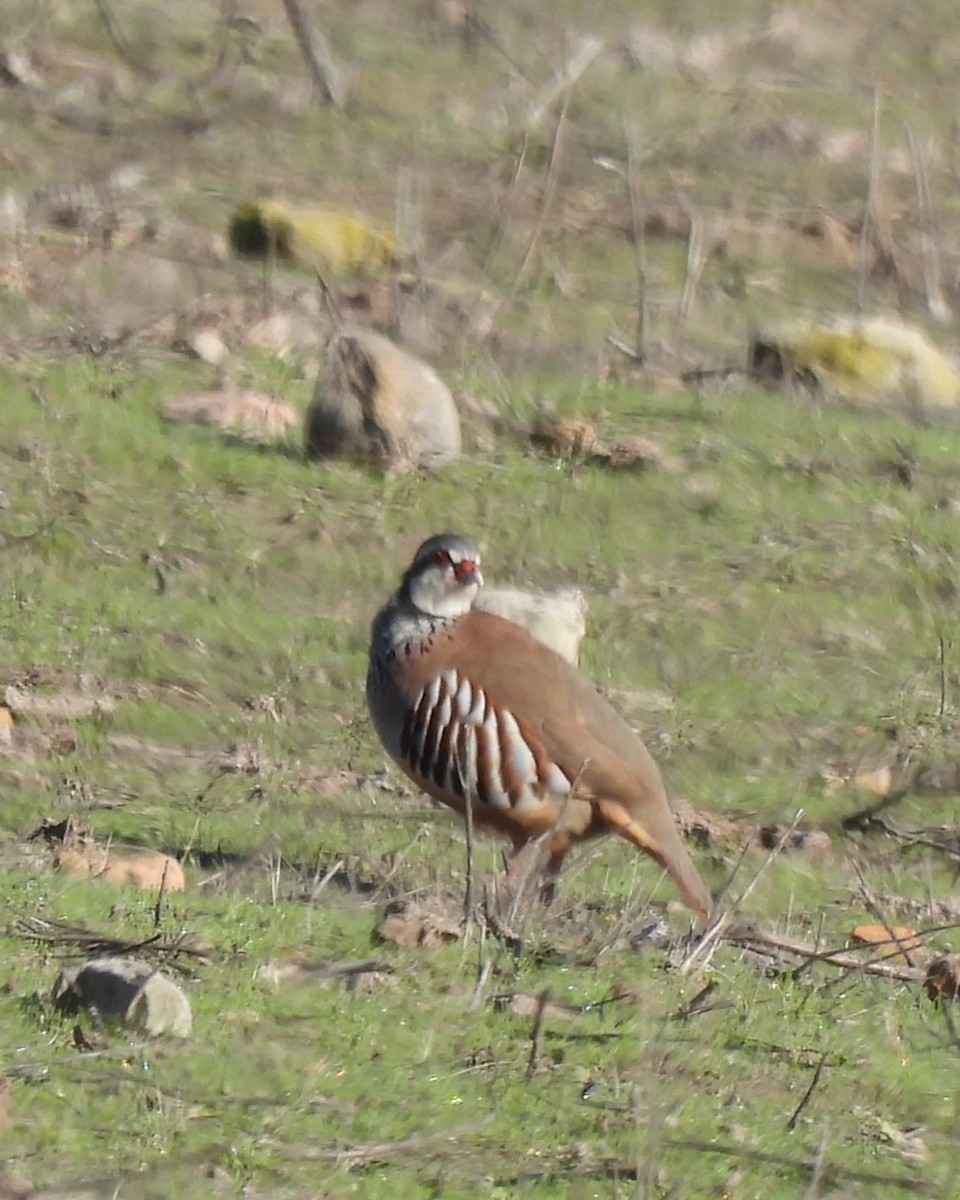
[[467, 572]]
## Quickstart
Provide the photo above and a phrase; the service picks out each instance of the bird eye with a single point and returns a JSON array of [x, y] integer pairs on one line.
[[441, 558]]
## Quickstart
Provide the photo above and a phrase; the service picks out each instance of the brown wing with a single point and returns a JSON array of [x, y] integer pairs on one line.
[[580, 731]]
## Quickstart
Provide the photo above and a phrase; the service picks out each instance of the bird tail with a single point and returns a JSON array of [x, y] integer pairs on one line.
[[675, 860]]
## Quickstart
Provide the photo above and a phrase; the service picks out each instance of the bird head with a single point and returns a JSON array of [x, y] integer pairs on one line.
[[444, 577]]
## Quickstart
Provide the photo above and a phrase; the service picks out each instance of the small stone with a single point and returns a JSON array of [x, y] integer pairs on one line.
[[128, 991], [208, 346]]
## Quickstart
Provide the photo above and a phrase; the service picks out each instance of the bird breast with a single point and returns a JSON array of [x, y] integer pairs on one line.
[[455, 738]]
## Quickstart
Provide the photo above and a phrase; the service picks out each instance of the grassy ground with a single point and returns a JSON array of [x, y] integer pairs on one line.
[[777, 616]]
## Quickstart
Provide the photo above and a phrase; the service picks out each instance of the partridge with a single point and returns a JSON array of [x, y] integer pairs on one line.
[[479, 713]]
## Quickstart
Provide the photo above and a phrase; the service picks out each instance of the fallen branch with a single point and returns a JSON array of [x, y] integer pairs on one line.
[[705, 947], [76, 939], [571, 71], [380, 1152], [828, 1174], [773, 944], [316, 53]]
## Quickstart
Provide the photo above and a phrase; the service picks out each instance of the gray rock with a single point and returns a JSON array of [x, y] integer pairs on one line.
[[377, 402], [125, 990]]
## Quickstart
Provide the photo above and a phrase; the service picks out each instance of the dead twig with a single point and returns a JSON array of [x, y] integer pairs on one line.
[[639, 242], [706, 945], [815, 1176], [829, 1174], [79, 941], [120, 43], [625, 349], [328, 875], [562, 82], [773, 944], [384, 1151], [871, 203], [537, 1033], [698, 1004], [937, 305], [866, 817], [696, 260], [161, 893], [468, 895], [807, 1095], [549, 189], [316, 52]]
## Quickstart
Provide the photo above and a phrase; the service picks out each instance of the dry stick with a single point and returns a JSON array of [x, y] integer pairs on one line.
[[870, 204], [937, 306], [326, 879], [158, 907], [499, 228], [786, 1160], [708, 943], [871, 811], [632, 354], [398, 860], [549, 188], [943, 676], [762, 942], [562, 82], [696, 259], [639, 241], [537, 1033], [316, 52], [697, 1004], [946, 1007], [811, 1192], [383, 1150], [834, 1174], [468, 896], [805, 1098], [121, 45], [334, 312], [485, 966]]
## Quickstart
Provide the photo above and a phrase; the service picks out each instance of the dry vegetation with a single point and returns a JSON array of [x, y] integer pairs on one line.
[[595, 207]]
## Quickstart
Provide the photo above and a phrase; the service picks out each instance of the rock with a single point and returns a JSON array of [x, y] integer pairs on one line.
[[895, 943], [313, 237], [208, 346], [558, 620], [943, 978], [125, 990], [408, 923], [566, 437], [870, 360], [377, 402], [285, 334], [251, 415], [149, 870], [635, 452], [58, 706]]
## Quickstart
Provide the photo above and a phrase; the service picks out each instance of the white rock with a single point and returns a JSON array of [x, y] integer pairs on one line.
[[558, 620], [125, 990]]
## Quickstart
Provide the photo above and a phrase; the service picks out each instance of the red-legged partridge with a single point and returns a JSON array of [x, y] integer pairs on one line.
[[476, 711]]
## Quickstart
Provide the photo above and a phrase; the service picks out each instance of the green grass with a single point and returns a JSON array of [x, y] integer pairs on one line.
[[780, 620]]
